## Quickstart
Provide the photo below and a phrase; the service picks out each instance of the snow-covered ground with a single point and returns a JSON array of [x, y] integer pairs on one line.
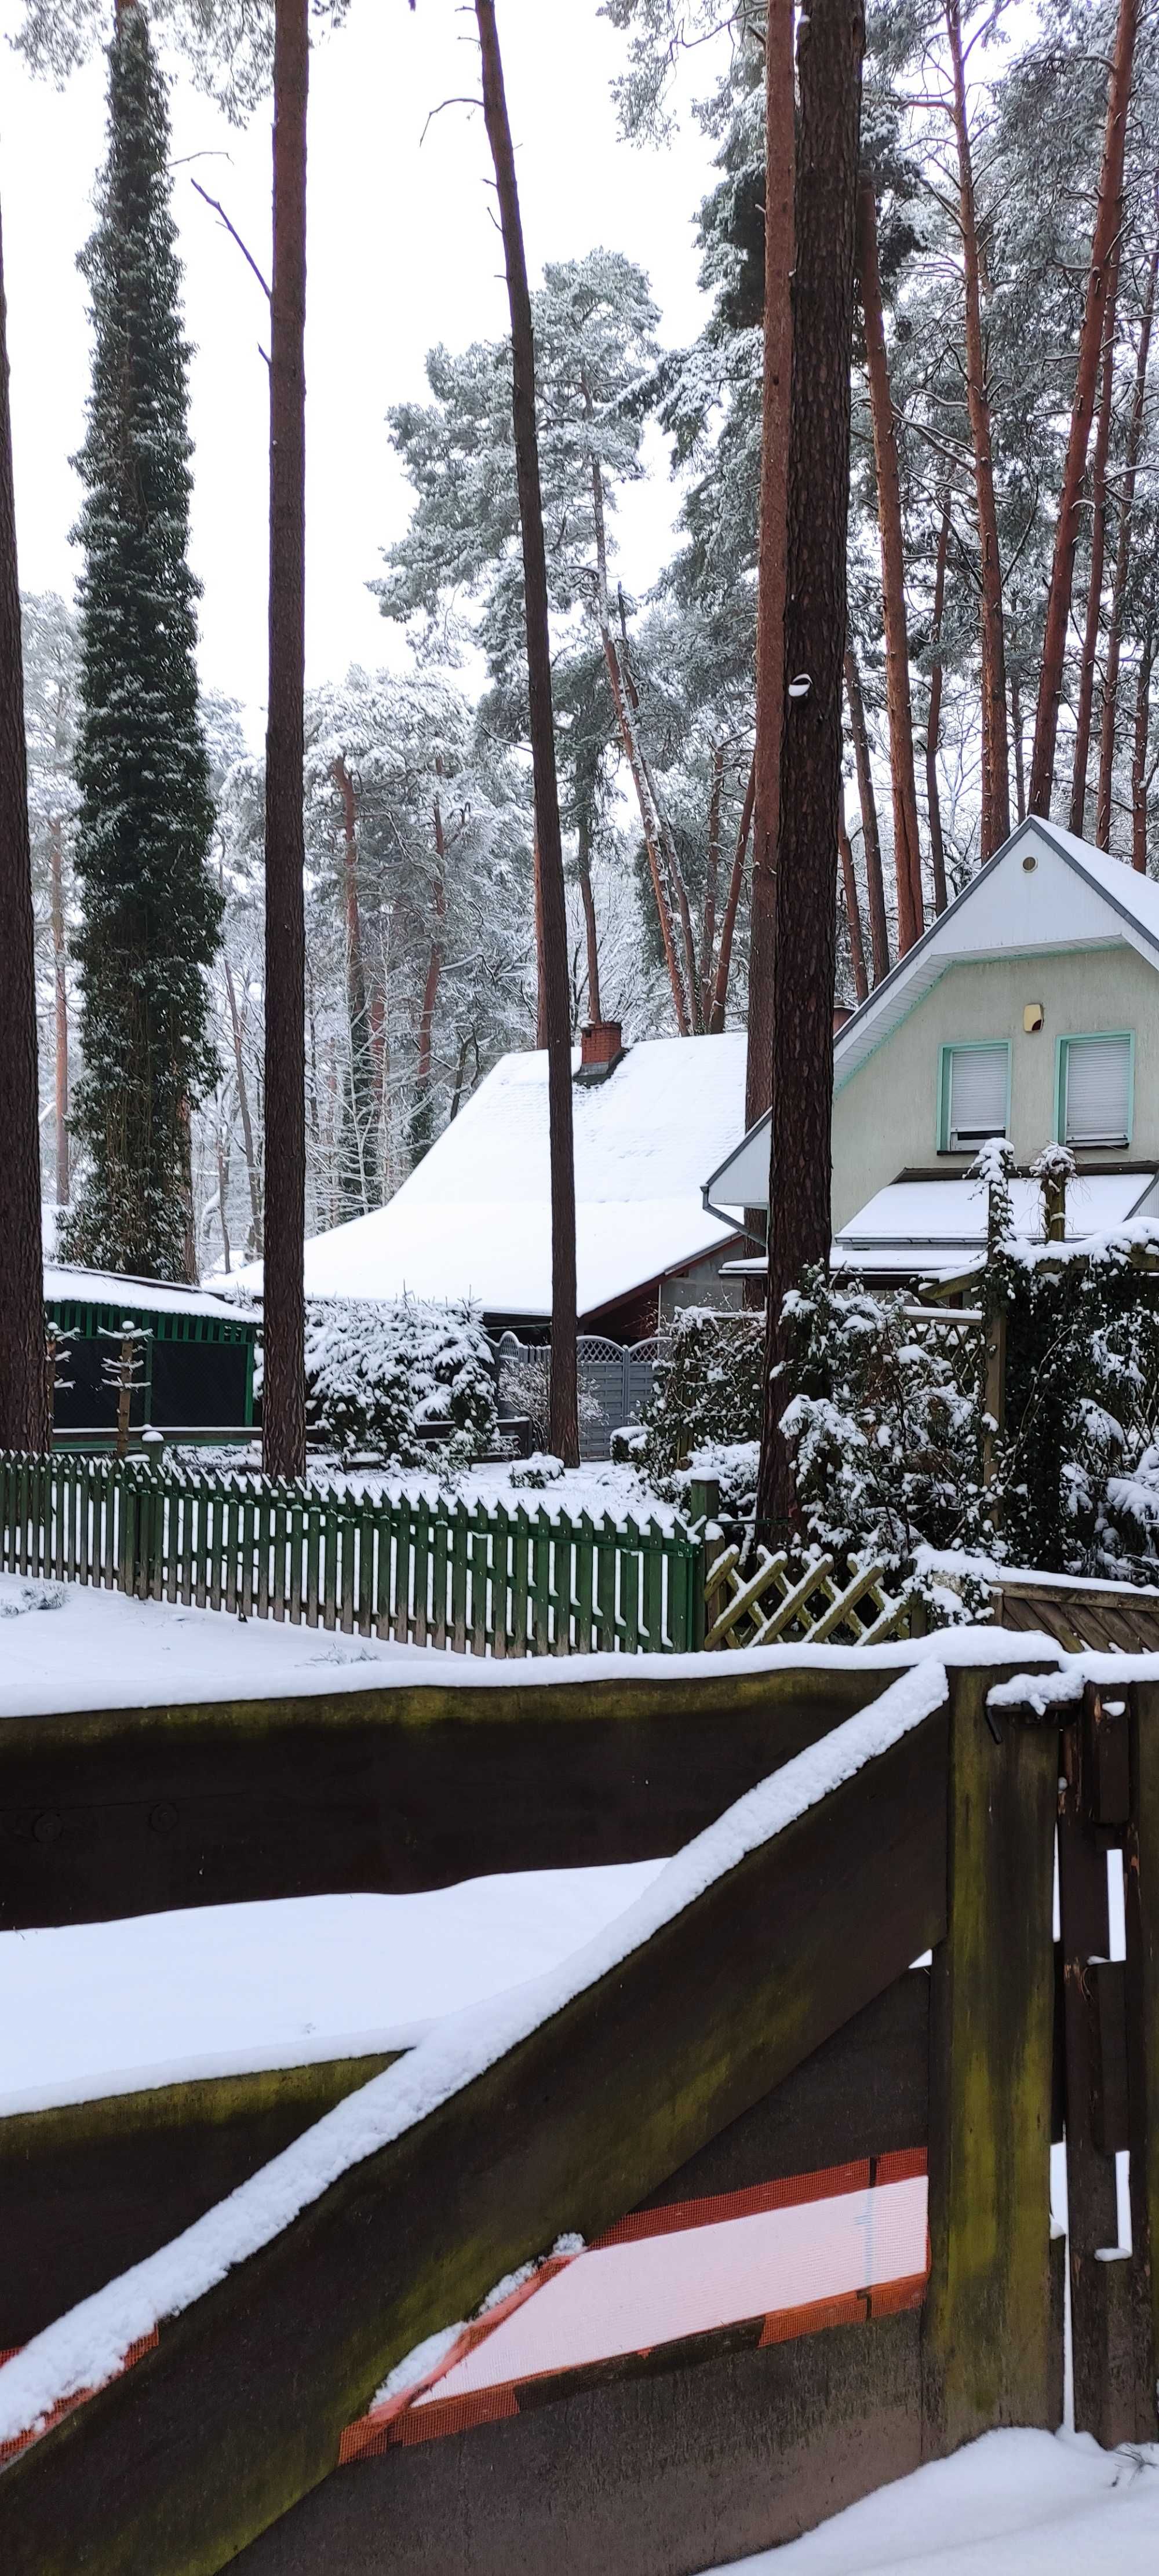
[[601, 1485], [66, 1646], [104, 2008], [1013, 2504]]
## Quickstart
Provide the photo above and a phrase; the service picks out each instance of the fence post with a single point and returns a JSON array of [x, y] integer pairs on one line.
[[703, 1506], [1113, 2381], [1141, 1880], [992, 2350]]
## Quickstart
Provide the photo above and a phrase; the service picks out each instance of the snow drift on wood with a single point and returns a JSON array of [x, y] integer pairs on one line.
[[85, 2347]]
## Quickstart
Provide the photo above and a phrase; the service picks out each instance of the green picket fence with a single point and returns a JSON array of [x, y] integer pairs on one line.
[[485, 1582]]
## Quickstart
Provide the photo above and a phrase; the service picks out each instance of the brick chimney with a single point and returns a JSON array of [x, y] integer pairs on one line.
[[601, 1046], [840, 1015]]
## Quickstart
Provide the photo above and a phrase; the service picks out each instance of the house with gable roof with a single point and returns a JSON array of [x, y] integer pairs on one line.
[[1029, 1010], [473, 1220]]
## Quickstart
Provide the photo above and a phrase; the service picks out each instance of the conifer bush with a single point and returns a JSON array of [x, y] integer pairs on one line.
[[707, 1394], [376, 1370]]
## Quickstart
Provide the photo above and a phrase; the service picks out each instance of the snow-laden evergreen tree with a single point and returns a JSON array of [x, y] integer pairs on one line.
[[150, 911]]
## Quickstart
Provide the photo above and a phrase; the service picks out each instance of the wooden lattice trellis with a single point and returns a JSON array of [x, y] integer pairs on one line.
[[956, 1333], [769, 1601]]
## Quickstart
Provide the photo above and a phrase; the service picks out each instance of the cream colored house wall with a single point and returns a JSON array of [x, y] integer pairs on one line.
[[885, 1117]]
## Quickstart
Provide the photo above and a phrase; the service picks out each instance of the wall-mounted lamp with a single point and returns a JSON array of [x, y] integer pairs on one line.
[[1033, 1018]]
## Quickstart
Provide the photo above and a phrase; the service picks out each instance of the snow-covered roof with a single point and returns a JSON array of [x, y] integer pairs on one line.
[[474, 1219], [63, 1282], [939, 1227], [1073, 896]]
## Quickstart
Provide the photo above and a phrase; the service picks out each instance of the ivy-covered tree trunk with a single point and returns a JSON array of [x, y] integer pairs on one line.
[[150, 910], [284, 1391], [830, 48], [23, 1380], [564, 1385]]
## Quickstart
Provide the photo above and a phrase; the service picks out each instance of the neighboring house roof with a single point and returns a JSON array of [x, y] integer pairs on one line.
[[1074, 897], [474, 1218], [66, 1284], [939, 1227]]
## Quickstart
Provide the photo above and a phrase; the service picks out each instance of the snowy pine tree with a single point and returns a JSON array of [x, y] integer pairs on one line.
[[150, 913]]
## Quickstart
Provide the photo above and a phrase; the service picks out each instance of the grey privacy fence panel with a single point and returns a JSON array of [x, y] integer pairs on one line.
[[482, 1581], [616, 1378]]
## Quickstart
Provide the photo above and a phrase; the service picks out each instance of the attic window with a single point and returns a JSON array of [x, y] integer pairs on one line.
[[1094, 1090], [975, 1096]]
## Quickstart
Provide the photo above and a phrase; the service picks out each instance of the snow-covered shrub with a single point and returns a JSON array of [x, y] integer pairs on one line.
[[707, 1391], [1077, 1463], [888, 1447], [376, 1370], [537, 1472], [730, 1465]]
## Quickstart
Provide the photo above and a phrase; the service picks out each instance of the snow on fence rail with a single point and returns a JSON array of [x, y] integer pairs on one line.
[[480, 1581]]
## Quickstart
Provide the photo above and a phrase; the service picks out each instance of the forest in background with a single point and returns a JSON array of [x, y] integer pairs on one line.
[[982, 140]]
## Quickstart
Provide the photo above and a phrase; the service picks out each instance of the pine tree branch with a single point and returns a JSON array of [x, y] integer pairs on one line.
[[234, 235]]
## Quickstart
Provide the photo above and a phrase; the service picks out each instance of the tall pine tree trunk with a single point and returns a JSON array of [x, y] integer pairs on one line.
[[1100, 285], [1019, 759], [1084, 711], [711, 877], [254, 1248], [624, 702], [23, 1375], [1140, 781], [906, 850], [870, 834], [422, 1121], [587, 898], [800, 1221], [732, 906], [780, 164], [1119, 577], [362, 1176], [852, 913], [995, 753], [60, 1002], [284, 1394], [564, 1388], [934, 714]]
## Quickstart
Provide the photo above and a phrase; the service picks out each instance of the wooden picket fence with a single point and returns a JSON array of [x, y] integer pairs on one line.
[[480, 1581]]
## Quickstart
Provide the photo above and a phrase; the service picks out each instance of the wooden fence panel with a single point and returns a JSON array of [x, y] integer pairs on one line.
[[394, 1789], [239, 2409]]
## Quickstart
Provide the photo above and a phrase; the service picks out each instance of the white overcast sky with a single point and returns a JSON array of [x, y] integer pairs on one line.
[[403, 251]]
